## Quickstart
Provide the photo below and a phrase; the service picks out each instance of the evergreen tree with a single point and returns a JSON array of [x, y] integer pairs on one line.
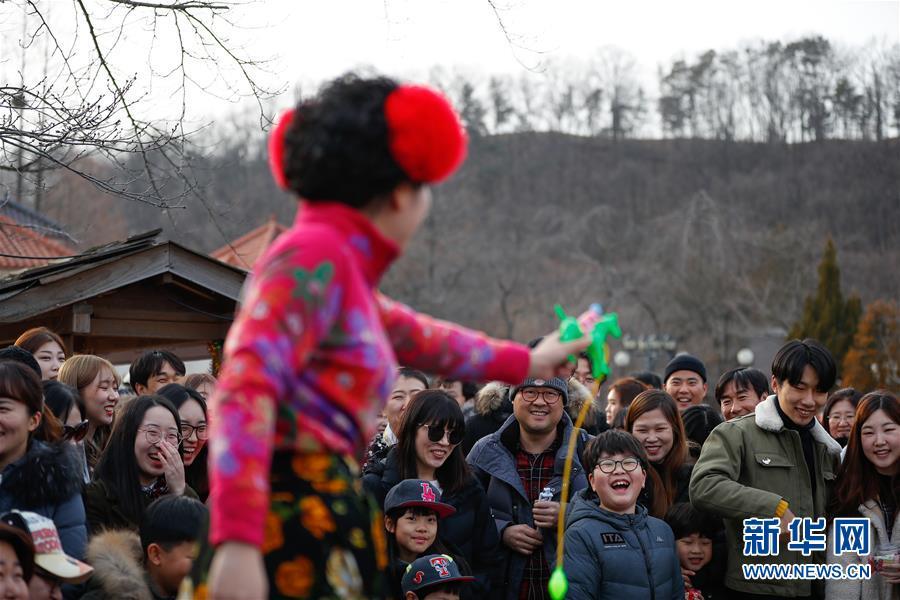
[[873, 359], [826, 316]]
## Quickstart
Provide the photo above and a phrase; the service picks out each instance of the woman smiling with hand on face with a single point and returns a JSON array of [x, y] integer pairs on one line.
[[428, 448], [140, 464], [194, 434], [653, 419]]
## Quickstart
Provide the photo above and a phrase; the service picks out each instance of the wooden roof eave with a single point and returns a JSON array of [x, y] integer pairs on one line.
[[84, 281]]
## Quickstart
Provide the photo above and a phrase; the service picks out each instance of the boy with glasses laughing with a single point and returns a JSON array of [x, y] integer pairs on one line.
[[613, 548]]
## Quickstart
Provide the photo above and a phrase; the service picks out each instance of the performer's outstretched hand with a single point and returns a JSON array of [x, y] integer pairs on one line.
[[550, 357], [237, 573]]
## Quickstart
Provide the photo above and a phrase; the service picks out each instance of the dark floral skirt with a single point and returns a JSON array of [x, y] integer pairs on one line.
[[324, 536]]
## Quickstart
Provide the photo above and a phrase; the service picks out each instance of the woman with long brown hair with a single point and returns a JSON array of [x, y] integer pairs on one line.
[[654, 420], [868, 486], [97, 383]]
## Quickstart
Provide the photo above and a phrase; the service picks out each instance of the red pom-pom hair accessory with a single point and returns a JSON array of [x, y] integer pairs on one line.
[[425, 135], [276, 147]]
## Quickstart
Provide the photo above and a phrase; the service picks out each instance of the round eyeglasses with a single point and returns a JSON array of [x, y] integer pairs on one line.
[[608, 465], [155, 436], [187, 430], [549, 396]]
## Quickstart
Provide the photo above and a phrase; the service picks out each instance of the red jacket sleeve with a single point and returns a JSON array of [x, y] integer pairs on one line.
[[450, 350]]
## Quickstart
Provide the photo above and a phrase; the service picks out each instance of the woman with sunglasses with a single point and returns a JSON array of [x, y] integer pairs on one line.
[[65, 403], [428, 448], [36, 476], [141, 462], [194, 434]]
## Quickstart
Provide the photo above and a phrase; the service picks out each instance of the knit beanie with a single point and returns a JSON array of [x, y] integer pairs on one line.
[[685, 362]]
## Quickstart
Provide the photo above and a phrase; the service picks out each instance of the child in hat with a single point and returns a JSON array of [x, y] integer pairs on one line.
[[412, 509], [53, 567], [433, 577]]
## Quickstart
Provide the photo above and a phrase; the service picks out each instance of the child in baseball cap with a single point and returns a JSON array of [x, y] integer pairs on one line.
[[433, 577], [412, 509], [53, 567]]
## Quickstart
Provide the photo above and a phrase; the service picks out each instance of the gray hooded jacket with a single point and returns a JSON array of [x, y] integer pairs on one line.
[[613, 556]]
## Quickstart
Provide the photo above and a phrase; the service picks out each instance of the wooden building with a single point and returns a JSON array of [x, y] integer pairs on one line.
[[120, 299]]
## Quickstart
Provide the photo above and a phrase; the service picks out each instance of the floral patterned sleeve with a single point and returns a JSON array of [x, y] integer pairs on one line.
[[291, 303], [440, 347]]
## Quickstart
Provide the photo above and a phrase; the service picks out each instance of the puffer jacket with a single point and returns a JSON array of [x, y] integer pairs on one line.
[[875, 588], [611, 556], [469, 532], [493, 459], [747, 466], [48, 481], [117, 558]]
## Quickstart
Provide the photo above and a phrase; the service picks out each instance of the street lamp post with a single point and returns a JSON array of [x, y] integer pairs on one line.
[[651, 346]]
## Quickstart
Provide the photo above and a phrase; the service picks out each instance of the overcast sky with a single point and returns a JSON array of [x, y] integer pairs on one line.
[[312, 40], [322, 38]]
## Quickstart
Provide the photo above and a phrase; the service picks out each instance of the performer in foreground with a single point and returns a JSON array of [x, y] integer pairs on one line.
[[313, 353]]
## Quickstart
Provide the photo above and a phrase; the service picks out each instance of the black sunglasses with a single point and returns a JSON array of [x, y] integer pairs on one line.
[[76, 433], [436, 434]]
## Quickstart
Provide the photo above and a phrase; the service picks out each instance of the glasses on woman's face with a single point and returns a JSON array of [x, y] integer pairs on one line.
[[155, 436], [549, 396], [436, 433], [608, 465], [188, 430], [76, 433]]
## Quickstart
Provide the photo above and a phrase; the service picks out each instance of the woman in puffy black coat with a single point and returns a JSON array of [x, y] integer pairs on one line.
[[469, 533], [44, 478]]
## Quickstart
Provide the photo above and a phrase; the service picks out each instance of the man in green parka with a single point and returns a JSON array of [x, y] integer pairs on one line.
[[778, 462]]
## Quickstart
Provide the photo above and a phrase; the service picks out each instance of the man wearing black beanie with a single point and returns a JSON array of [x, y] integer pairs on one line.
[[685, 380]]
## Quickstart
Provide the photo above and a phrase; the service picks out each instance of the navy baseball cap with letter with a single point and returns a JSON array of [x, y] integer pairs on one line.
[[429, 570], [417, 492]]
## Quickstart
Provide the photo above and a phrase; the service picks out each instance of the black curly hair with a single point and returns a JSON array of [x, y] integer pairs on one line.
[[336, 149]]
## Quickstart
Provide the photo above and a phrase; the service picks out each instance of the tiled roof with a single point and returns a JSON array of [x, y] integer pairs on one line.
[[21, 240], [36, 221], [244, 251]]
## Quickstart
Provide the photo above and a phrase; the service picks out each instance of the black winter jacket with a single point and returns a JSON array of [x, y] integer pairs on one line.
[[48, 481]]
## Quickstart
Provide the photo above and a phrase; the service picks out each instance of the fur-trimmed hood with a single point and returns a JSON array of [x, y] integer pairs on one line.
[[48, 474], [495, 395], [118, 573], [578, 395], [767, 418], [491, 398]]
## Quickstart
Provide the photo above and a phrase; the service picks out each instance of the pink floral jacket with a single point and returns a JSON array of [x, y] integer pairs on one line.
[[313, 354]]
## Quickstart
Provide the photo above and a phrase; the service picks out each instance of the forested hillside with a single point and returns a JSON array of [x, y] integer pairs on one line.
[[710, 233]]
